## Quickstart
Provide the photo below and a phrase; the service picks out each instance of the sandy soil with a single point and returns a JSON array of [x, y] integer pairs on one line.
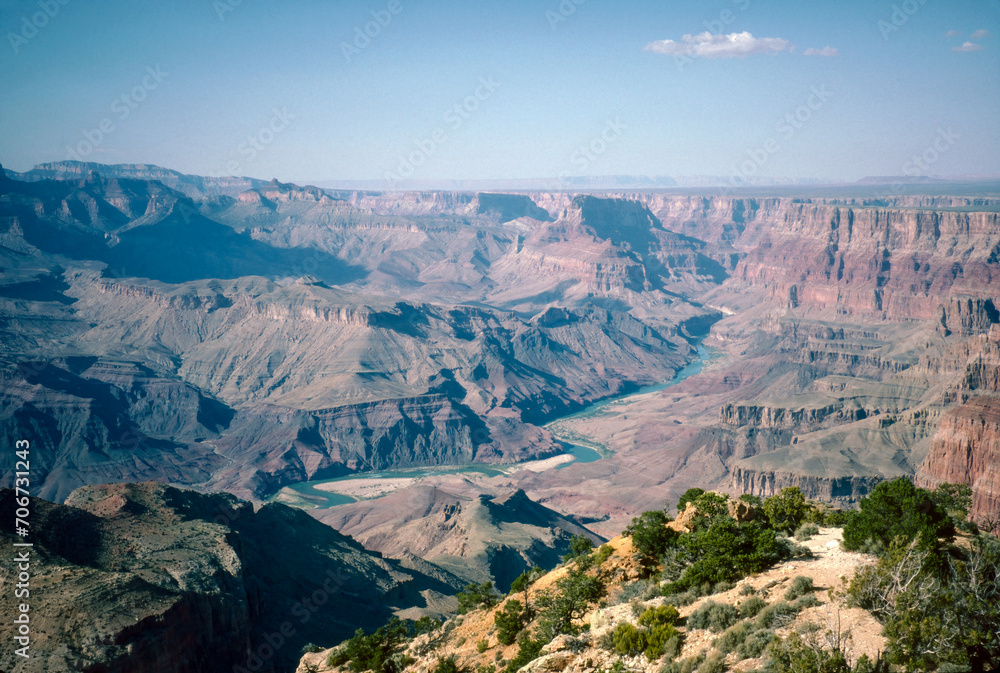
[[374, 487], [367, 488], [827, 569]]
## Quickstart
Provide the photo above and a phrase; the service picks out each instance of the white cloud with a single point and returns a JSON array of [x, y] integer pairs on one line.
[[967, 46], [952, 33], [708, 45], [980, 34], [825, 51]]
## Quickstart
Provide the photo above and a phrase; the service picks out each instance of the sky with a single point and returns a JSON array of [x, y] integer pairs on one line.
[[504, 89]]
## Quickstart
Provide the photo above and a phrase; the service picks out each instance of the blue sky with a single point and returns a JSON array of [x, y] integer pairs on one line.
[[504, 89]]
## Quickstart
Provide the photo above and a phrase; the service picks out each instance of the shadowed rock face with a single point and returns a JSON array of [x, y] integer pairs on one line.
[[145, 577], [477, 537]]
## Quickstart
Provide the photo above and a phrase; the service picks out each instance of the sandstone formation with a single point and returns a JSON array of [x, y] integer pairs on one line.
[[966, 450]]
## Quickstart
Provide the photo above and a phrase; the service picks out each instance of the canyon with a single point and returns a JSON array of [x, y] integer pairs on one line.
[[241, 336]]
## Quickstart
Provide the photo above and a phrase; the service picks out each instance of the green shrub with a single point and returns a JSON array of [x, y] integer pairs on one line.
[[955, 500], [373, 651], [800, 586], [446, 665], [523, 581], [628, 640], [897, 509], [713, 616], [662, 639], [650, 535], [755, 644], [338, 657], [751, 607], [687, 665], [482, 645], [654, 637], [640, 589], [786, 510], [527, 651], [672, 648], [722, 587], [310, 648], [711, 507], [681, 598], [728, 551], [835, 518], [747, 590], [509, 621], [603, 554], [792, 550], [663, 615], [689, 495], [797, 655], [734, 636], [580, 545], [752, 500], [714, 663], [807, 601], [574, 593], [935, 608], [475, 596], [425, 625], [806, 531], [775, 615]]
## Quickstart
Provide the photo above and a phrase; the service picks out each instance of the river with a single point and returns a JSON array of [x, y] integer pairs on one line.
[[580, 449]]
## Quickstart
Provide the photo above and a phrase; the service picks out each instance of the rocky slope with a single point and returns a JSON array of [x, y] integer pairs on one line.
[[472, 639], [478, 538], [144, 577]]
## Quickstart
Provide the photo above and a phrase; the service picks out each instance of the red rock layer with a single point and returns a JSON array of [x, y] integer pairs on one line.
[[966, 450]]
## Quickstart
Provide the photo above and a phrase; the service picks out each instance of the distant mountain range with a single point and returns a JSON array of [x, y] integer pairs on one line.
[[197, 186]]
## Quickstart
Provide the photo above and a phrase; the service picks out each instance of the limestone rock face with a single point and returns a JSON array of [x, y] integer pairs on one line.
[[966, 450], [742, 511], [684, 523]]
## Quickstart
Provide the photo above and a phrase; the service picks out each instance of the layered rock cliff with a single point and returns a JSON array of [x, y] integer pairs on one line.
[[966, 450]]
